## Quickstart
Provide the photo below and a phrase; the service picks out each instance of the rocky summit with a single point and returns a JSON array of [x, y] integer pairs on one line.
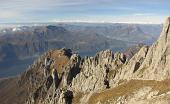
[[64, 77]]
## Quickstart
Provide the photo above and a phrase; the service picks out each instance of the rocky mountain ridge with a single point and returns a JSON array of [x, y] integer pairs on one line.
[[76, 76], [63, 77]]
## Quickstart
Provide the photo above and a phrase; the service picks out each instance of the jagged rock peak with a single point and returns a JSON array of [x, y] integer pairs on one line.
[[62, 73], [166, 23], [154, 63], [166, 26]]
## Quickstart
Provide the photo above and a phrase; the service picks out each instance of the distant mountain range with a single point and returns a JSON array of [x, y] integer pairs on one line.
[[19, 46], [138, 33]]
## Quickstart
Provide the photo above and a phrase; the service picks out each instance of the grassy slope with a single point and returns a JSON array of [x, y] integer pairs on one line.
[[10, 93], [127, 89]]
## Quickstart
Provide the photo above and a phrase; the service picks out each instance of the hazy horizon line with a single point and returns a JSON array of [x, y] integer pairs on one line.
[[90, 22]]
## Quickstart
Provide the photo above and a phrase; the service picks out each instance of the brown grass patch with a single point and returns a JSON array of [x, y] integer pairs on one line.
[[60, 60], [162, 86], [77, 97], [127, 88]]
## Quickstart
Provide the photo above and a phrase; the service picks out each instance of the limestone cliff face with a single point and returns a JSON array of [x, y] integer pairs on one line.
[[62, 77], [154, 62], [98, 72], [59, 76], [157, 63]]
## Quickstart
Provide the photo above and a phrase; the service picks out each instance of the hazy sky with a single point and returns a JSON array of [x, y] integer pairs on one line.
[[135, 11]]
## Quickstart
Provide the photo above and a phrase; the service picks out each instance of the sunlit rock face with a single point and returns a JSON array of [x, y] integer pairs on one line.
[[60, 75], [151, 62]]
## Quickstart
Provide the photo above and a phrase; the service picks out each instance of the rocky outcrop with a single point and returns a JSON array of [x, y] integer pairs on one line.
[[45, 78], [150, 68], [59, 76], [156, 64], [151, 62], [133, 65], [94, 71]]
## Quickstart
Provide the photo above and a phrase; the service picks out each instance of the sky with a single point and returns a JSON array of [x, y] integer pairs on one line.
[[111, 11]]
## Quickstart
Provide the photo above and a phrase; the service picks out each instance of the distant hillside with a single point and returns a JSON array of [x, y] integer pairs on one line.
[[140, 33], [19, 46]]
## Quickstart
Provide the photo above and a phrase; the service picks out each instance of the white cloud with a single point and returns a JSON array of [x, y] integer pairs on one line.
[[144, 14], [117, 19], [9, 14]]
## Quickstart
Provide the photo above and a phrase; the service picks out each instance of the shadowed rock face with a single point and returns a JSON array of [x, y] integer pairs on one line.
[[68, 97]]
